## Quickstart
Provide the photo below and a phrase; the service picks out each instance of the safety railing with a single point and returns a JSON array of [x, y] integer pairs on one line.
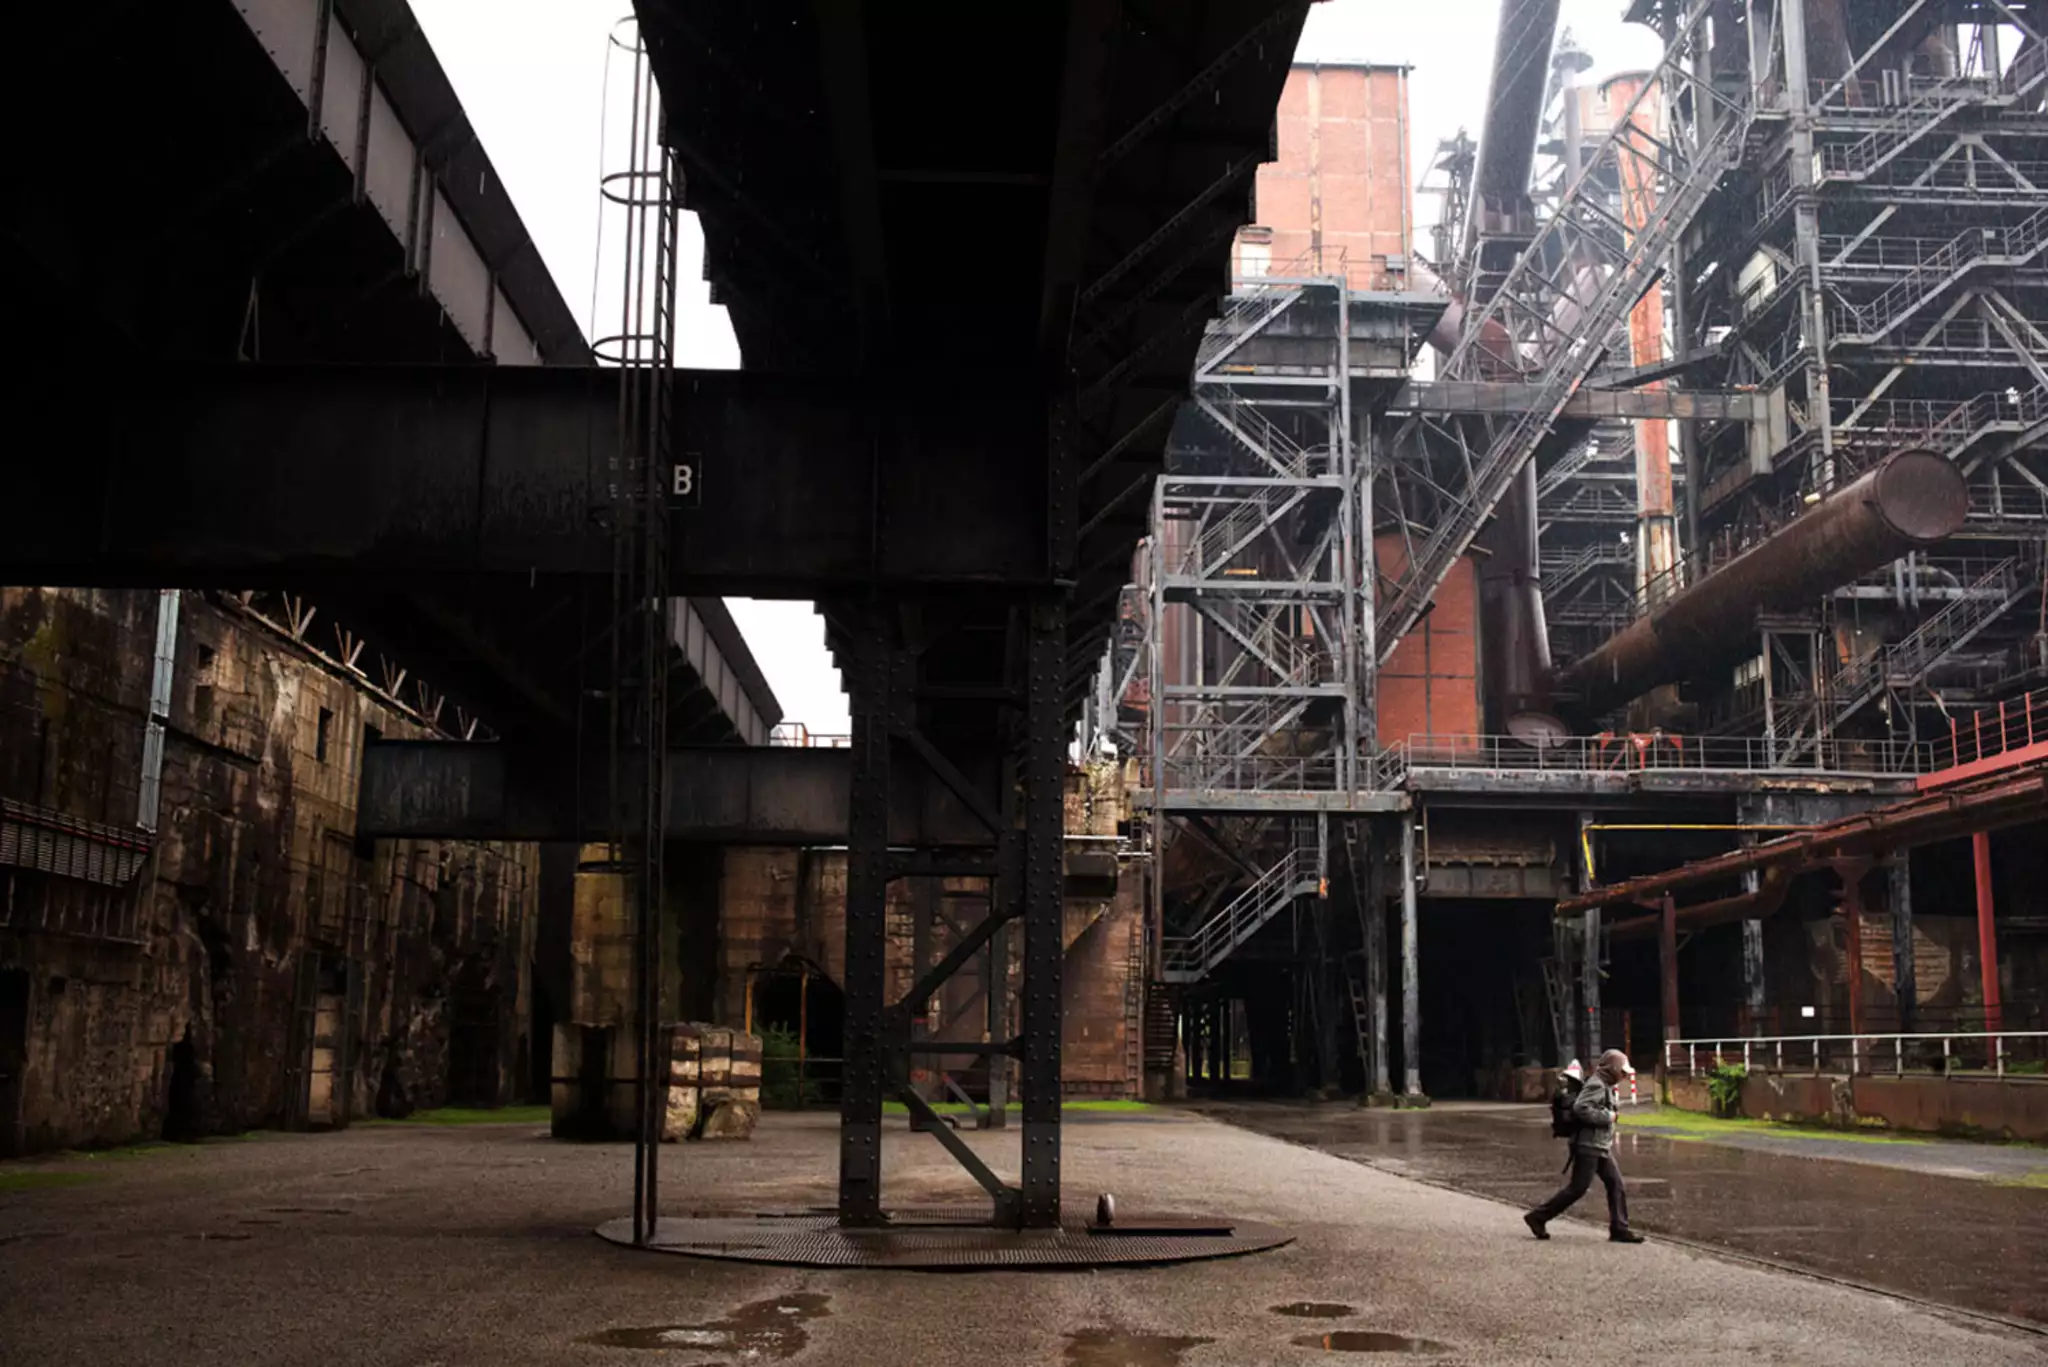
[[2000, 1053], [1247, 773], [1646, 752], [1186, 958], [2011, 246], [795, 735], [1990, 732]]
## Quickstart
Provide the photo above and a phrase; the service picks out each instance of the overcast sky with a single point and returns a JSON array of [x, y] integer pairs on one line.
[[532, 75]]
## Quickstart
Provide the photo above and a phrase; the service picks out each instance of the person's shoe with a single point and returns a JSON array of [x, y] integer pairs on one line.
[[1623, 1236], [1535, 1226]]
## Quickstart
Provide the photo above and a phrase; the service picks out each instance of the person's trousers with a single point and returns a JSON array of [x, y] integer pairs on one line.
[[1584, 1165]]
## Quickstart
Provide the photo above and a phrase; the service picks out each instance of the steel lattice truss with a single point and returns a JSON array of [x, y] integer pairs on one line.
[[1253, 582], [1551, 321], [1883, 274]]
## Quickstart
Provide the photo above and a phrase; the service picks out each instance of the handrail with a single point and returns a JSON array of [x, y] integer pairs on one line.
[[1819, 1053]]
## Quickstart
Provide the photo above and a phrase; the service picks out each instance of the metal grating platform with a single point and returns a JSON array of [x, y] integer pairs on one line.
[[952, 1238]]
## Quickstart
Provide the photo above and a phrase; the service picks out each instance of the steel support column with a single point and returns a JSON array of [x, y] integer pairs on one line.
[[1589, 966], [1044, 775], [1411, 985], [1376, 960], [873, 686], [1667, 964], [1987, 931], [1904, 982]]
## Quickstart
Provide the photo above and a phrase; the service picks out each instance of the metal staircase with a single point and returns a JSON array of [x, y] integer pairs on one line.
[[1190, 958], [1901, 128], [1557, 994], [1906, 662], [1870, 322], [1567, 294]]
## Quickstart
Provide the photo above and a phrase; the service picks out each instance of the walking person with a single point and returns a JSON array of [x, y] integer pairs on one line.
[[1593, 1111]]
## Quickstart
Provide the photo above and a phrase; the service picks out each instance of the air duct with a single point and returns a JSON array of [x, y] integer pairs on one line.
[[1914, 499]]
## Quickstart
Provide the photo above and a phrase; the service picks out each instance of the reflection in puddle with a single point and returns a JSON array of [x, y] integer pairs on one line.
[[1112, 1348], [1368, 1341], [1314, 1310], [762, 1331]]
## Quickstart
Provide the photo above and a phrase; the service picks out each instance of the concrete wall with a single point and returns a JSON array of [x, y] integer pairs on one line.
[[1976, 1106], [1339, 190], [256, 889]]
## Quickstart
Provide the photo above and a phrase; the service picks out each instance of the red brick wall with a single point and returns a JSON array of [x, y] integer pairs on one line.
[[1342, 179]]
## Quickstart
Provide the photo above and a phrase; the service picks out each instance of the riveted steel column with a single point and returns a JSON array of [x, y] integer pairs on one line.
[[1904, 984], [871, 694], [1411, 986], [1044, 774]]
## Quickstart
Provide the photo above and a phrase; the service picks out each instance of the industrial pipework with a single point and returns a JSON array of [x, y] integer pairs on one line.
[[1914, 499]]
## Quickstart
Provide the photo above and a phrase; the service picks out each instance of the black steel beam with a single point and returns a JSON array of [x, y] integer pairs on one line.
[[263, 476], [733, 795]]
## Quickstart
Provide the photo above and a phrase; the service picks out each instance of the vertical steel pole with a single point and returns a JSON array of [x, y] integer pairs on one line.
[[1852, 924], [1044, 922], [1376, 957], [1667, 964], [872, 696], [1589, 962], [1350, 668], [1905, 984], [1411, 986], [1987, 932]]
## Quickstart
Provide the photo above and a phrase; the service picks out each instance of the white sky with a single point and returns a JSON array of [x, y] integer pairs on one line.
[[532, 75]]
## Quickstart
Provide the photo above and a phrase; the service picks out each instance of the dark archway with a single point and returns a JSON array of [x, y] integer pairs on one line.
[[798, 999]]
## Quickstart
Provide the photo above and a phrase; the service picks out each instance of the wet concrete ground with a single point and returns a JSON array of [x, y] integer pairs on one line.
[[447, 1246], [1891, 1215]]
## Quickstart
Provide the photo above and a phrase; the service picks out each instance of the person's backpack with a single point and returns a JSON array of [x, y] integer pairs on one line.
[[1563, 1124]]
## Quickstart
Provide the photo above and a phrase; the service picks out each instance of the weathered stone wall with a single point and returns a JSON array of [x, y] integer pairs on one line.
[[256, 896], [778, 905]]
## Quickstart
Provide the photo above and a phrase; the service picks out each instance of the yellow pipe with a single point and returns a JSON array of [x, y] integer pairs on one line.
[[1586, 835]]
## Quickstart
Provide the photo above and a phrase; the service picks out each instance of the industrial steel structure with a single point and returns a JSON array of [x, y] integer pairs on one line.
[[1733, 424]]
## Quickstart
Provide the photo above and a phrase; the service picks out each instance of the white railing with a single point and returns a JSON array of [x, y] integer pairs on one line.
[[795, 735], [1855, 1053]]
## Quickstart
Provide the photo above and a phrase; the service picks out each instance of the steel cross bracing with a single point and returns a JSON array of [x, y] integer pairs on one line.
[[1550, 321], [1253, 566], [1886, 285]]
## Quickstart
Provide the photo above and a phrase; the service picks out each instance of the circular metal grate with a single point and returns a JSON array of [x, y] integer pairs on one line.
[[948, 1238]]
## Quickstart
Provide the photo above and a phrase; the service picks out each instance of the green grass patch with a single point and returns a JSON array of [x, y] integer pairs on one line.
[[1092, 1107], [44, 1179], [537, 1114], [1676, 1124], [2038, 1181]]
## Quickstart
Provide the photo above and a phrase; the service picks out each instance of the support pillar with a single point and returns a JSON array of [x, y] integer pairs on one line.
[[1852, 925], [1381, 1081], [1987, 932], [1411, 986], [1589, 963], [871, 694], [924, 904], [1753, 973], [1667, 964], [1904, 984], [1044, 774]]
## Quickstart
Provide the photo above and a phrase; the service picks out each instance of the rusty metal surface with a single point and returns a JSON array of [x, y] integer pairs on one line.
[[948, 1238], [1914, 499]]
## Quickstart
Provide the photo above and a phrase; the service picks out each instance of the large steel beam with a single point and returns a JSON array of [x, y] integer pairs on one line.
[[733, 795], [261, 476]]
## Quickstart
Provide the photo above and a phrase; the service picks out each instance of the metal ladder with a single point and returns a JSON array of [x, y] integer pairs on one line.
[[1557, 991]]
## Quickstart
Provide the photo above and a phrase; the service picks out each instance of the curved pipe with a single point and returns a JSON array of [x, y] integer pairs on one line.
[[1914, 499]]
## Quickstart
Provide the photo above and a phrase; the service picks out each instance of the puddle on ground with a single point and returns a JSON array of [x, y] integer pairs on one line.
[[1314, 1310], [211, 1235], [1114, 1348], [760, 1331], [1368, 1341]]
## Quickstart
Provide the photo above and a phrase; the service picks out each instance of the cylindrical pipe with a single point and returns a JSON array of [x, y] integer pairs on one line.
[[1514, 109], [1852, 924], [1987, 932], [1915, 498], [1667, 964]]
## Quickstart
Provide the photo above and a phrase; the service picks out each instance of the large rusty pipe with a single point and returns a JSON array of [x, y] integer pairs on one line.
[[1514, 111], [1914, 499]]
